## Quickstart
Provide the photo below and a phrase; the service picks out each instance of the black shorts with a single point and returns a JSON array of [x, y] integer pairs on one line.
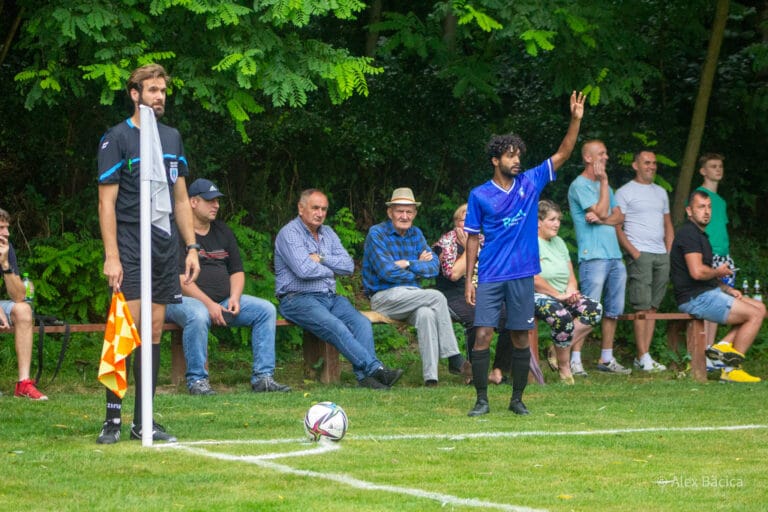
[[166, 288]]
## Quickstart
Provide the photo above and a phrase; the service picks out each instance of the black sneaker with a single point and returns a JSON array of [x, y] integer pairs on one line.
[[387, 376], [110, 432], [201, 387], [269, 385], [481, 407], [158, 433], [372, 383], [518, 407]]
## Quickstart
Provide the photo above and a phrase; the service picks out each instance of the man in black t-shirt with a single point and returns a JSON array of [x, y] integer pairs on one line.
[[700, 292], [217, 298]]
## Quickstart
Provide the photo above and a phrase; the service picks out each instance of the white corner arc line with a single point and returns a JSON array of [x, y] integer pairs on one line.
[[444, 499]]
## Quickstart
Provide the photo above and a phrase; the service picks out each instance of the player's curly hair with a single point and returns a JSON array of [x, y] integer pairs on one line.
[[500, 144]]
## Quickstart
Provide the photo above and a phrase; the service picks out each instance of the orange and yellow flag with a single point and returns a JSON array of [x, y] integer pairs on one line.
[[120, 339]]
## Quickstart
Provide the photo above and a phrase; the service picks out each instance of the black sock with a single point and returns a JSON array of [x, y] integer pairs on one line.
[[521, 360], [481, 359], [137, 378], [114, 407], [456, 361]]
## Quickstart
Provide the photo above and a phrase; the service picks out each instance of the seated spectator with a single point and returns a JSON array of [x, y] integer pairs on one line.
[[453, 264], [17, 313], [396, 257], [700, 292], [217, 298], [570, 315], [308, 257]]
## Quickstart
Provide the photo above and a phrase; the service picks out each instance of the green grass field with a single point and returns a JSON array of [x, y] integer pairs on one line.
[[610, 443]]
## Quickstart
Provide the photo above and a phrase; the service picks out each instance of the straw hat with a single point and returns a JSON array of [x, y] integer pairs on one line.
[[402, 195]]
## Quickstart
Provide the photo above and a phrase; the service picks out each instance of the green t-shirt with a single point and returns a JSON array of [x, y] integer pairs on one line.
[[554, 262], [717, 229]]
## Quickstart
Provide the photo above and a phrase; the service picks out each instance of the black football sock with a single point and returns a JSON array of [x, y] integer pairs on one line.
[[521, 360], [481, 359], [137, 371], [114, 407]]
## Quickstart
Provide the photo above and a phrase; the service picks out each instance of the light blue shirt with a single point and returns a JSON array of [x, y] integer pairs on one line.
[[296, 272], [595, 241]]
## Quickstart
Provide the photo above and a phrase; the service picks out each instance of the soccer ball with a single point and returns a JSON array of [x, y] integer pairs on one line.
[[325, 419]]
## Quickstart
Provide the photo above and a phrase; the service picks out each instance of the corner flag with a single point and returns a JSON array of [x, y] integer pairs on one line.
[[120, 339]]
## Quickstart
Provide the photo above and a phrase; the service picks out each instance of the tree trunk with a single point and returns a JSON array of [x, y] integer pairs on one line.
[[699, 118], [372, 39]]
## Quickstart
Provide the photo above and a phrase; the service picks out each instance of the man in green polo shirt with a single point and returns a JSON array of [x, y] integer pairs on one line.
[[711, 168]]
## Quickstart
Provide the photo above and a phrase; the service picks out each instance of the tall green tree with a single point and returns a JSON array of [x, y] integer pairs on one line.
[[229, 56]]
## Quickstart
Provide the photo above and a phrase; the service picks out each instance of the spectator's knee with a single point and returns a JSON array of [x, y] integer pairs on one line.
[[21, 314]]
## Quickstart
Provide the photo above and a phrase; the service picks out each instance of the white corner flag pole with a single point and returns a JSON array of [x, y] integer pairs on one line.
[[147, 118]]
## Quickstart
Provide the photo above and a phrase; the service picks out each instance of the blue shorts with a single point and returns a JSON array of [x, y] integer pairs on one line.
[[605, 282], [713, 305], [516, 294]]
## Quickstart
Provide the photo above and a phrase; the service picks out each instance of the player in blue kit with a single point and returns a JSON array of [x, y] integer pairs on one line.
[[504, 210]]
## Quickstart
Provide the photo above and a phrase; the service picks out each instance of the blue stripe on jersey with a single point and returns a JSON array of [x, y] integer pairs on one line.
[[112, 170]]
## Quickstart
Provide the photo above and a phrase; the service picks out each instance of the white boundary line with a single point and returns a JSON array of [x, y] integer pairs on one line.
[[445, 499]]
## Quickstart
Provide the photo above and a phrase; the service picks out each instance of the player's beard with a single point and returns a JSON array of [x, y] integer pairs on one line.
[[158, 107]]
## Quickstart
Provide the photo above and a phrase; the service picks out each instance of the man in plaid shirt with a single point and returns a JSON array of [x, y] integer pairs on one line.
[[396, 257]]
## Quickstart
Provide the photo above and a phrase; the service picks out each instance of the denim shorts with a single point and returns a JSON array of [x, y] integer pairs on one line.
[[713, 305], [604, 281], [516, 294]]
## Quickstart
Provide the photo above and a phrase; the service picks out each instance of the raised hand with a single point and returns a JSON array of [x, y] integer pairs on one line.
[[577, 105]]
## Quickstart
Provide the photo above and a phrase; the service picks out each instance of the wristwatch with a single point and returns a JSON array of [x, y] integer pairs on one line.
[[407, 264], [8, 270], [193, 246]]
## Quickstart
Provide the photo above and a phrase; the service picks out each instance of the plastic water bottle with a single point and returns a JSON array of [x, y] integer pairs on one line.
[[745, 288], [757, 295], [29, 288]]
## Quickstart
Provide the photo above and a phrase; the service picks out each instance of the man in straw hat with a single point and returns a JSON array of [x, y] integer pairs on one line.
[[505, 209], [396, 257]]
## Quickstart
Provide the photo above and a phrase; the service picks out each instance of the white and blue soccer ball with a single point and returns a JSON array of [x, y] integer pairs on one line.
[[325, 420]]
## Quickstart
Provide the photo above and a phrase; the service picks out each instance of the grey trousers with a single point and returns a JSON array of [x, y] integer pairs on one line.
[[427, 310]]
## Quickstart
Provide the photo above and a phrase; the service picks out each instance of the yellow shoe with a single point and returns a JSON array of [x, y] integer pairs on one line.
[[567, 380], [738, 375], [724, 351]]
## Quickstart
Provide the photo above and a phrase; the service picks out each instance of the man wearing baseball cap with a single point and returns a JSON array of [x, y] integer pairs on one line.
[[217, 298], [395, 259]]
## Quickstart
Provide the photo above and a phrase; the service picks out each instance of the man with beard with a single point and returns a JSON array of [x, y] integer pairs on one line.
[[119, 191], [700, 292], [505, 210]]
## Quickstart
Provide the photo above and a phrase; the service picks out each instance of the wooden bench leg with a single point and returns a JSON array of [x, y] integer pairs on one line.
[[697, 343], [178, 363], [317, 352]]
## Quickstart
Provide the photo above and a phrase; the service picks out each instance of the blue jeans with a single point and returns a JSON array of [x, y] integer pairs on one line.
[[256, 313], [333, 319], [604, 281]]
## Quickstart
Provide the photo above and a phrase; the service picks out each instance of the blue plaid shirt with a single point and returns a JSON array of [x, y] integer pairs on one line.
[[296, 272], [383, 246]]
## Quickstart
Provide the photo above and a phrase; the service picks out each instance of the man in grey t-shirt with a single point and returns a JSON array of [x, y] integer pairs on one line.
[[645, 233]]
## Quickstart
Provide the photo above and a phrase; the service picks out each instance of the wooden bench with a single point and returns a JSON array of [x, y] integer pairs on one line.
[[320, 358], [695, 337]]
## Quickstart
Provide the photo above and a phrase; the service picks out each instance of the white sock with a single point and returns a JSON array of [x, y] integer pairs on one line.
[[606, 355], [575, 357], [646, 359]]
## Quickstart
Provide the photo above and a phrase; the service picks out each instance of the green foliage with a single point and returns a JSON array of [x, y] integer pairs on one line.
[[66, 271], [352, 239]]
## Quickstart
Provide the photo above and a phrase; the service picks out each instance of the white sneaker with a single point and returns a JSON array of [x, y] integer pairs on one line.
[[613, 367], [651, 366], [714, 365], [577, 369]]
